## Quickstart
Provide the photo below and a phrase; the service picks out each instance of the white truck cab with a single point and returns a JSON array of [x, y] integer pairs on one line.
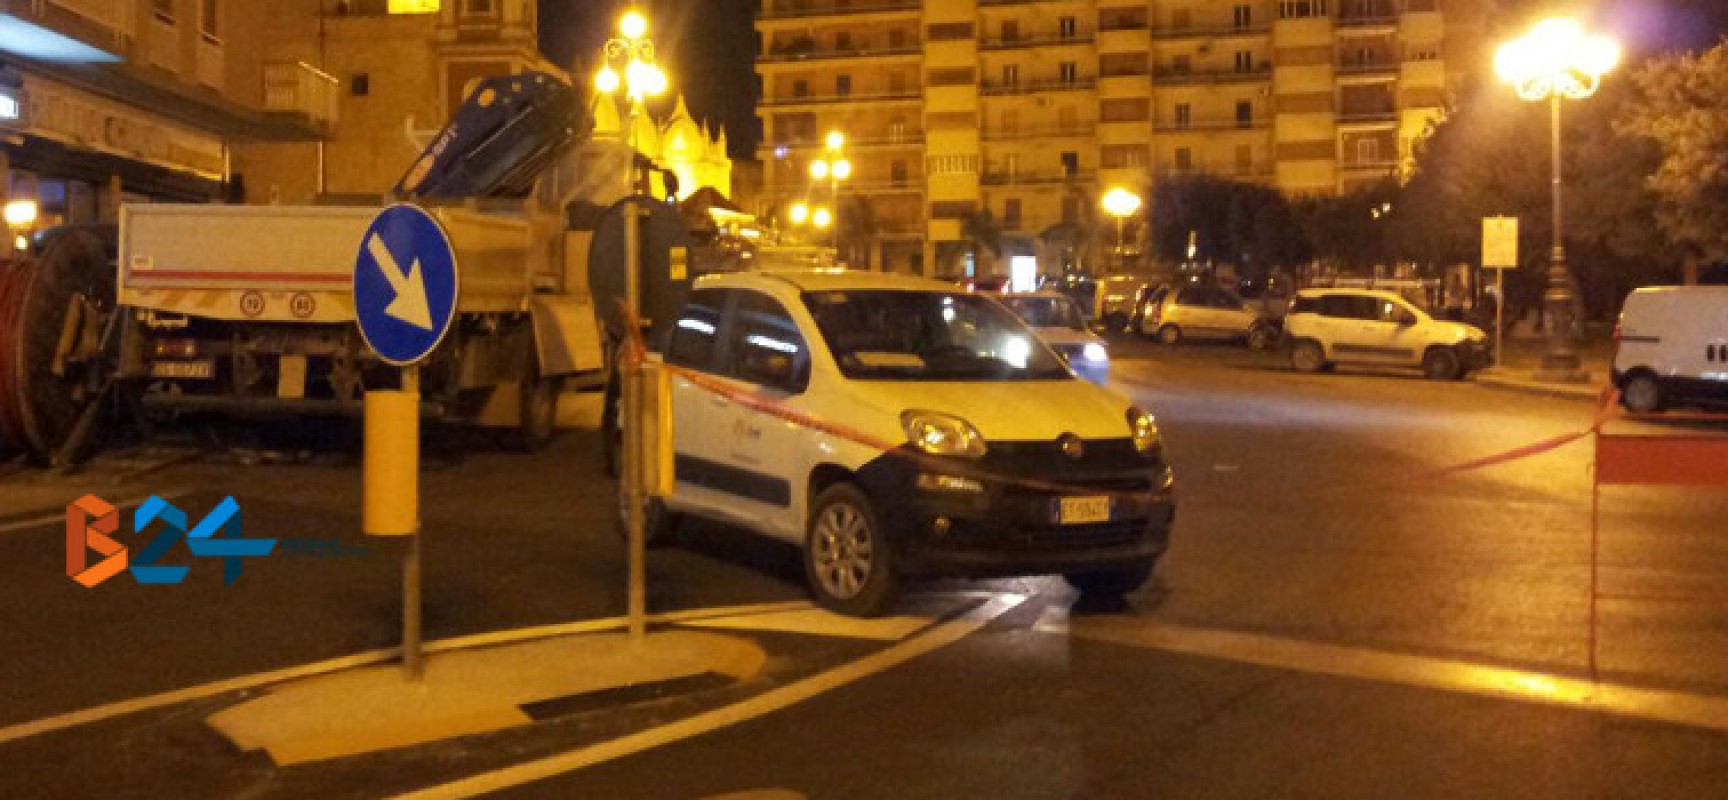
[[921, 429], [1671, 347]]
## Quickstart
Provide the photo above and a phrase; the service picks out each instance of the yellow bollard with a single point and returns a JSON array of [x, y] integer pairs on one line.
[[391, 469]]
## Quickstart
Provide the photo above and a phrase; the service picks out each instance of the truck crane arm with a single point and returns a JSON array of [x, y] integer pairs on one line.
[[509, 130]]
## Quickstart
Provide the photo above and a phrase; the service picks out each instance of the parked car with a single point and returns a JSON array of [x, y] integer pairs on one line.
[[999, 461], [1058, 321], [1671, 347], [1116, 295], [1178, 313], [1370, 326]]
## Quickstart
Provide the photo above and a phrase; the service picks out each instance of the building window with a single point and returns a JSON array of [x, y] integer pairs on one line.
[[897, 38], [1181, 19], [800, 88], [163, 9], [896, 83], [1301, 9], [1011, 212], [1244, 114], [1065, 26], [1069, 71], [1011, 163], [208, 15], [897, 130], [1010, 31], [1181, 65], [1184, 159], [478, 8], [948, 31], [1070, 163], [1010, 74], [1244, 17], [1244, 61], [1367, 151], [412, 7], [843, 41], [1122, 156], [360, 84], [1184, 116], [842, 85], [897, 173]]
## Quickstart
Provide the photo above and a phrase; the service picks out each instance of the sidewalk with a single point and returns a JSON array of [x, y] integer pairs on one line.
[[1522, 358]]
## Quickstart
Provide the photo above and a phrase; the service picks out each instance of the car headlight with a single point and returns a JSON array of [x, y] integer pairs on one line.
[[942, 434], [1094, 352], [1145, 431]]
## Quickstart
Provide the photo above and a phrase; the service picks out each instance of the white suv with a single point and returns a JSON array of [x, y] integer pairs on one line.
[[987, 456], [1367, 326]]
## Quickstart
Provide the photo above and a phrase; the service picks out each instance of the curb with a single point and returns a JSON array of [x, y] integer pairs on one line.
[[1588, 393]]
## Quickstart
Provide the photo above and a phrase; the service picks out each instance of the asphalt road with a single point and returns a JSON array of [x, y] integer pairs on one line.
[[1311, 511]]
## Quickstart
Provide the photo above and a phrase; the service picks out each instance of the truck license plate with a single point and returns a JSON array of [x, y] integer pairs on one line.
[[203, 369], [1081, 510]]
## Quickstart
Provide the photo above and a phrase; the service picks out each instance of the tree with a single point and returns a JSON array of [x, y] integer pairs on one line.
[[981, 229], [1245, 224], [1680, 104]]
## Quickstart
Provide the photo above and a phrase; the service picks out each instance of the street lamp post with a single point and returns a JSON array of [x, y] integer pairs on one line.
[[1121, 204], [1555, 61], [641, 79], [834, 168]]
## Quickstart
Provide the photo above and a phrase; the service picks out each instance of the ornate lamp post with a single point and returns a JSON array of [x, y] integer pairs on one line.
[[834, 168], [641, 80], [1121, 204], [1557, 60]]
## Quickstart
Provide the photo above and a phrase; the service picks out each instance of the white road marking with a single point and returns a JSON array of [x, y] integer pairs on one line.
[[1700, 711], [121, 708], [768, 702]]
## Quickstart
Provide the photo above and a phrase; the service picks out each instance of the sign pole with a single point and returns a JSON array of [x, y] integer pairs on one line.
[[634, 435], [1499, 316], [412, 665]]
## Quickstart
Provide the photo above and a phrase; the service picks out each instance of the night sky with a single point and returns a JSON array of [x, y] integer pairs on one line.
[[707, 46]]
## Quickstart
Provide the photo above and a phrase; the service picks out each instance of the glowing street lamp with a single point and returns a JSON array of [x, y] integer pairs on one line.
[[822, 218], [799, 213], [833, 168], [1557, 60], [640, 80], [1121, 204]]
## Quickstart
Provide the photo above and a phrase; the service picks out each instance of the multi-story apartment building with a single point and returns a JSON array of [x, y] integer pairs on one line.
[[104, 101], [1032, 109]]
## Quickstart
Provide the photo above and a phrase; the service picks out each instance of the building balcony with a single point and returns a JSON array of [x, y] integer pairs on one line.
[[907, 185], [1364, 24], [1258, 170], [1368, 71], [1034, 177], [788, 101], [1368, 120], [1050, 131], [1167, 76], [1047, 40], [854, 141], [1356, 168], [1172, 32], [800, 55], [800, 9], [301, 92], [997, 89], [1210, 125]]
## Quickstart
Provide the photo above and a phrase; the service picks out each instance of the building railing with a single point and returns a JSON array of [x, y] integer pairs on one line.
[[814, 99], [1368, 21], [1378, 165], [1211, 124], [1367, 117], [858, 140], [1209, 31], [1167, 75], [911, 183], [1257, 169], [301, 89], [1352, 67], [990, 88], [1034, 177], [791, 9], [794, 54], [1042, 40], [1052, 130]]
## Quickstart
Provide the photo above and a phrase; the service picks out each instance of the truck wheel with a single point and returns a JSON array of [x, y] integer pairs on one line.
[[539, 411], [54, 312], [847, 556], [1642, 395]]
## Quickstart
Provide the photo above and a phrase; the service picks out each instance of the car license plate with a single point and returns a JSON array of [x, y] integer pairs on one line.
[[204, 369], [1081, 510]]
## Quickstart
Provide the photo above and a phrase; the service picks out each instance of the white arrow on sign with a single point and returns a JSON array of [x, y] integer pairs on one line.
[[410, 304]]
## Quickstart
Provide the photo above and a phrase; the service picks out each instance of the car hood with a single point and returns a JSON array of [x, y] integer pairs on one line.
[[1458, 331], [1008, 410]]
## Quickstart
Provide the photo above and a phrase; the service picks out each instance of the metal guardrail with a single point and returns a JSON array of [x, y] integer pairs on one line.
[[1201, 125], [1209, 31], [1049, 131], [819, 99], [1047, 40], [1212, 75], [1035, 177]]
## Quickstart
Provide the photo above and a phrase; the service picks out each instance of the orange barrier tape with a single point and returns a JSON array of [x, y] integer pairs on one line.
[[637, 349]]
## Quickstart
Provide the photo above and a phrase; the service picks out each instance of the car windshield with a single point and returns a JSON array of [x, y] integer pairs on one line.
[[928, 335], [1047, 312]]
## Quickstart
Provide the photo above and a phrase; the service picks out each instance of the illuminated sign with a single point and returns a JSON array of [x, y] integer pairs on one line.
[[10, 108], [413, 6]]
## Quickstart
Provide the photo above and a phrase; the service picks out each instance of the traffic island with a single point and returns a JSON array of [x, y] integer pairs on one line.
[[476, 691]]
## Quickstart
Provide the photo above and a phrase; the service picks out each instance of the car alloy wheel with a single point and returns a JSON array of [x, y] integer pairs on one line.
[[848, 560], [1170, 334], [1643, 395], [1440, 364], [1307, 356]]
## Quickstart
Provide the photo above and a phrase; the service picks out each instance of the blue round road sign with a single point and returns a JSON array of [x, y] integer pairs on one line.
[[405, 284]]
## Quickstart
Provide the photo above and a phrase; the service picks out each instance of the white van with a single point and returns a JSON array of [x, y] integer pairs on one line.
[[1671, 347], [986, 455]]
